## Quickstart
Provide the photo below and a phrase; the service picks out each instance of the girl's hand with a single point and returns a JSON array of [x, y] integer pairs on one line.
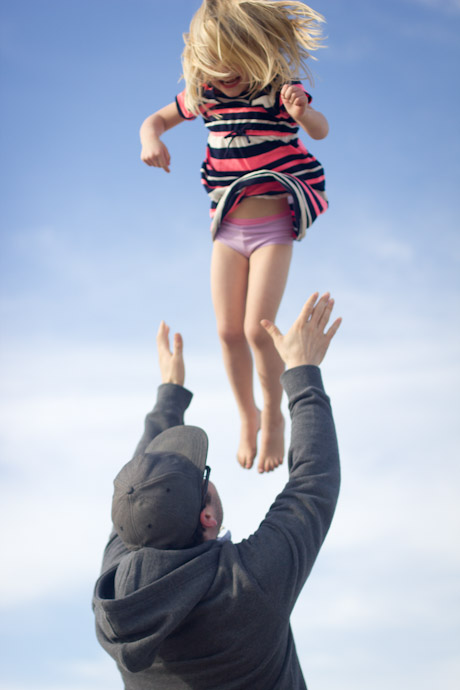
[[295, 100], [155, 154], [296, 103]]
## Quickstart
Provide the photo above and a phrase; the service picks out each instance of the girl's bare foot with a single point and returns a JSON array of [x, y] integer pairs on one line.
[[247, 449], [272, 446]]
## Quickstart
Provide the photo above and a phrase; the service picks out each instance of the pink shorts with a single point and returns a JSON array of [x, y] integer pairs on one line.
[[245, 235]]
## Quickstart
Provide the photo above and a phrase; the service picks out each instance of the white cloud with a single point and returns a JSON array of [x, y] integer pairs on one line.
[[73, 417], [100, 674], [61, 453], [382, 246], [100, 271], [72, 414], [384, 586]]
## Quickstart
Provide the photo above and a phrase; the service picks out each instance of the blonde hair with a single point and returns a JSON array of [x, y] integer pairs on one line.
[[267, 41]]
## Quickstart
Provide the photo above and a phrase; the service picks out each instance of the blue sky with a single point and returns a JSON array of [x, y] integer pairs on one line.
[[96, 248]]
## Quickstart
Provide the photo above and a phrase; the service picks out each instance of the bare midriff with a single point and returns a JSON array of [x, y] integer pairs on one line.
[[256, 207]]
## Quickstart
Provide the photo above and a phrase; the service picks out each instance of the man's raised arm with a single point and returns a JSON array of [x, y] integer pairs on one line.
[[172, 398], [283, 550]]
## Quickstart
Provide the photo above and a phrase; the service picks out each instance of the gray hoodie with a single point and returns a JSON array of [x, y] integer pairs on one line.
[[216, 616]]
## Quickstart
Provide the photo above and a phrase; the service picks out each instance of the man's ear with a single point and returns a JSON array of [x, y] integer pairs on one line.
[[207, 519]]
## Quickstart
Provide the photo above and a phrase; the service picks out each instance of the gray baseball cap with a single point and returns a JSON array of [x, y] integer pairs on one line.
[[158, 495]]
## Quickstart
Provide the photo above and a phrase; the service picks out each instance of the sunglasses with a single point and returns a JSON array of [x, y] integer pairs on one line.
[[204, 488]]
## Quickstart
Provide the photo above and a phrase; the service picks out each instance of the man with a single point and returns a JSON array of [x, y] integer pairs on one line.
[[175, 606]]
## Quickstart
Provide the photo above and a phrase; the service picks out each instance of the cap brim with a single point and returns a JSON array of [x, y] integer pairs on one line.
[[190, 441]]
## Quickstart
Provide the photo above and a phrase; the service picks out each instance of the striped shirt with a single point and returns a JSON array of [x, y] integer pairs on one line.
[[253, 149]]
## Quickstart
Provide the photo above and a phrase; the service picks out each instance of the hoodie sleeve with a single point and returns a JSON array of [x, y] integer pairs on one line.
[[172, 401], [281, 553], [169, 409]]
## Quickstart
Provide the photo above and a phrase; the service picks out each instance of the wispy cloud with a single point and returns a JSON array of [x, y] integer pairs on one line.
[[82, 297], [68, 429], [101, 675], [445, 6]]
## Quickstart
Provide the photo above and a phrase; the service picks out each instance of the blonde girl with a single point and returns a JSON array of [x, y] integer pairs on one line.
[[242, 62]]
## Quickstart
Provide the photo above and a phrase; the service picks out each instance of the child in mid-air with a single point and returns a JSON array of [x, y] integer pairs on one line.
[[242, 61]]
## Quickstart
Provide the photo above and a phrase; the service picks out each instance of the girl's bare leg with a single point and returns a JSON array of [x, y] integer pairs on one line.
[[268, 271], [229, 283]]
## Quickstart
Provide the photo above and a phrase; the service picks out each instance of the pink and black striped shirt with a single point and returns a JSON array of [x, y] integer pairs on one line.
[[253, 149]]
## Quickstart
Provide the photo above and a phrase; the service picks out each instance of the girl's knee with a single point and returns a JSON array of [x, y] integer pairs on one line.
[[256, 336], [230, 334]]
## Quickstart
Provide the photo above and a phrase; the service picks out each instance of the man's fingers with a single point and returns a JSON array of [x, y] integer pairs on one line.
[[178, 344], [271, 329], [163, 340], [319, 308], [326, 315], [162, 328], [307, 309], [333, 329], [163, 336]]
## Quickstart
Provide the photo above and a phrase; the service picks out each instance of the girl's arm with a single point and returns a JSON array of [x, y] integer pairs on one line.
[[154, 152], [296, 103]]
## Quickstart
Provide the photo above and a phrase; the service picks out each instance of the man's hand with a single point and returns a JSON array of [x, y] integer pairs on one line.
[[306, 342], [171, 363]]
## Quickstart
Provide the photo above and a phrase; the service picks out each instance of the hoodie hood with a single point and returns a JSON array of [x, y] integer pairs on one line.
[[143, 599]]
